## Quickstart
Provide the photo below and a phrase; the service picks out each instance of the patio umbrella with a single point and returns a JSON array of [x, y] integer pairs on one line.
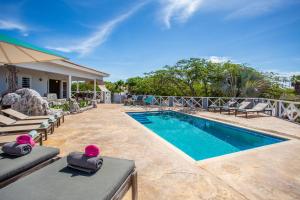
[[13, 51]]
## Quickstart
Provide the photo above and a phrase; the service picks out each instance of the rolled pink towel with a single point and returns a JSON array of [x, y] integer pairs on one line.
[[92, 150], [25, 139]]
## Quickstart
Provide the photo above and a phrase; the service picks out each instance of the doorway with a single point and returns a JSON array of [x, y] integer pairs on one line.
[[64, 89], [54, 87]]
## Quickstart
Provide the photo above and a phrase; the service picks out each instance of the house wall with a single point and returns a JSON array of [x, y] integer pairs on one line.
[[40, 73], [39, 80]]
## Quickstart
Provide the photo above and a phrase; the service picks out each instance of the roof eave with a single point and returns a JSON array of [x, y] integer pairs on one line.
[[83, 68]]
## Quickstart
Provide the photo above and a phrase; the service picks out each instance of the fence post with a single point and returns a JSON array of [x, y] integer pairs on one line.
[[278, 109], [171, 101], [205, 103]]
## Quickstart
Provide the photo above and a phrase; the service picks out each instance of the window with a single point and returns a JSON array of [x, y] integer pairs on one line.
[[25, 82]]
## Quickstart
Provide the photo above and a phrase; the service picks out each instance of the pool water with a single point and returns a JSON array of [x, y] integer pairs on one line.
[[201, 138]]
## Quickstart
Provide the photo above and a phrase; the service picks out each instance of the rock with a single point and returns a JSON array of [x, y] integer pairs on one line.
[[53, 111], [10, 99], [27, 101], [74, 106], [94, 103], [66, 113]]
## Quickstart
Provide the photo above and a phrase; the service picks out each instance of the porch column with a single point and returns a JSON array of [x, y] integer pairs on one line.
[[70, 87], [95, 92], [77, 87]]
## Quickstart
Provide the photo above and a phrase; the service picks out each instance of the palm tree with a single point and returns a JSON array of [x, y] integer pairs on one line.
[[296, 83]]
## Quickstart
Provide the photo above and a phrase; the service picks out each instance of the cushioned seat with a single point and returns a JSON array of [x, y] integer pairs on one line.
[[57, 181], [11, 165]]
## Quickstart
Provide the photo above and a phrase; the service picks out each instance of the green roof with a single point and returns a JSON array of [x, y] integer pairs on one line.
[[4, 38]]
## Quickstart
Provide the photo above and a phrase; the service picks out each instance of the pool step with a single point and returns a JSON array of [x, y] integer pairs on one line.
[[142, 119]]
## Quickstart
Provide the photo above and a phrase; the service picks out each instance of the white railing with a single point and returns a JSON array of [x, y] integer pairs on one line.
[[288, 110], [87, 94]]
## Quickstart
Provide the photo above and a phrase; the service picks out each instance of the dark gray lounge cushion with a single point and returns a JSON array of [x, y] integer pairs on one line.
[[57, 181], [12, 165]]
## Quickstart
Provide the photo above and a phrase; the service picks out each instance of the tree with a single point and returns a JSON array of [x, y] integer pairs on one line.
[[84, 86], [201, 77], [116, 87], [296, 83]]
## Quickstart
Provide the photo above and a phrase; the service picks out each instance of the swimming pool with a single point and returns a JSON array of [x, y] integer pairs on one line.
[[201, 138]]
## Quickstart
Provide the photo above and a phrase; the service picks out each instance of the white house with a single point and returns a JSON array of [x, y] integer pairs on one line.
[[54, 76]]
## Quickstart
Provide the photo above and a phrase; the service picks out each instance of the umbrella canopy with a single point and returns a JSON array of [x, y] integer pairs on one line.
[[13, 51]]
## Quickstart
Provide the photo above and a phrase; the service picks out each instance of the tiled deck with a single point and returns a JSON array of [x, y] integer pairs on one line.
[[271, 172]]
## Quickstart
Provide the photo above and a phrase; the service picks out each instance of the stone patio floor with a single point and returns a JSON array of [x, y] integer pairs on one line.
[[271, 172]]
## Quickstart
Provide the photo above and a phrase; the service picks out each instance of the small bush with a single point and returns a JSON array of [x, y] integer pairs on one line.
[[83, 103], [64, 107]]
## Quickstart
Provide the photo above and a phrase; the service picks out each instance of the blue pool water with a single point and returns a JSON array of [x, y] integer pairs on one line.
[[200, 138]]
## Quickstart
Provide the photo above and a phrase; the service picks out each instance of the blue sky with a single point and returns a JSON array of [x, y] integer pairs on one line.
[[128, 38]]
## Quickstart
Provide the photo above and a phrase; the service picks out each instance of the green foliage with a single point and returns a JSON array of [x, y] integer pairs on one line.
[[201, 77], [295, 78], [83, 86], [83, 103], [64, 107], [116, 87]]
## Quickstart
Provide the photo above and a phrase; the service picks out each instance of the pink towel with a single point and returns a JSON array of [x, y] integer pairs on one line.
[[25, 139], [92, 150]]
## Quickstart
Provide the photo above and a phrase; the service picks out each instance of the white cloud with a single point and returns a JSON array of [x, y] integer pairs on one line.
[[179, 10], [11, 25], [182, 10], [97, 38], [217, 59], [255, 8]]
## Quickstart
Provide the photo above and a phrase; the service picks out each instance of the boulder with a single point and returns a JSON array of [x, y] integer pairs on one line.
[[10, 98], [27, 101], [94, 103]]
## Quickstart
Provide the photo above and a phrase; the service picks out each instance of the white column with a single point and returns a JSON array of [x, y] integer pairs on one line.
[[70, 87], [95, 92], [77, 89]]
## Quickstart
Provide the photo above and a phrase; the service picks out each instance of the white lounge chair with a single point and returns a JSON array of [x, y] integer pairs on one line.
[[260, 107]]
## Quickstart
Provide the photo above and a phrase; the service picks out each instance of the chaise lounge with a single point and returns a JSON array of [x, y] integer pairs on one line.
[[258, 108], [243, 105], [12, 168], [6, 121], [26, 128], [139, 100], [21, 116], [214, 107], [57, 181]]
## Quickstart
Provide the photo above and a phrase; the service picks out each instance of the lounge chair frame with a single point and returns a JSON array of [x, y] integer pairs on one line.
[[44, 131], [39, 139], [262, 109], [216, 108], [234, 109], [27, 172], [254, 111], [131, 181], [7, 121], [7, 112]]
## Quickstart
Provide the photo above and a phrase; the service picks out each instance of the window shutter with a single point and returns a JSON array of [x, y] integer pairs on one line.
[[25, 82]]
